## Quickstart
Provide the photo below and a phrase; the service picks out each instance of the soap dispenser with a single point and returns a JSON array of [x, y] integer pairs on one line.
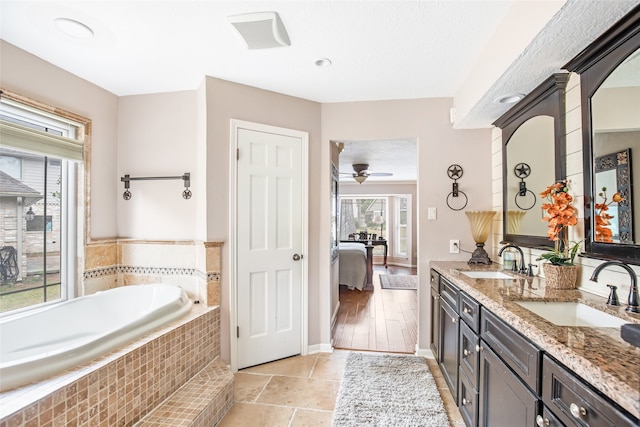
[[509, 259]]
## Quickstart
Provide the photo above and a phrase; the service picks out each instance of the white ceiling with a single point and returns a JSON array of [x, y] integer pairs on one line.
[[470, 50]]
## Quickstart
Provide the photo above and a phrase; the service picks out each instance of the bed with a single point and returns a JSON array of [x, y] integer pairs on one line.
[[355, 265]]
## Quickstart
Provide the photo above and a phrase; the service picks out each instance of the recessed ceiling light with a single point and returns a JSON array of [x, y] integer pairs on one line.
[[323, 62], [510, 99], [73, 28]]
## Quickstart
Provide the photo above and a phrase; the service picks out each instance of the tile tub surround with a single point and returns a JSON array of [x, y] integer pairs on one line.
[[124, 385], [598, 355], [194, 265]]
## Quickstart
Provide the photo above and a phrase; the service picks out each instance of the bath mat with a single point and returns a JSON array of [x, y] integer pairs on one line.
[[398, 282], [388, 390]]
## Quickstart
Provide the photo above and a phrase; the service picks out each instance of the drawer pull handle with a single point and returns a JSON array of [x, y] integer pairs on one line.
[[541, 422], [453, 320], [478, 348], [466, 352], [464, 401], [467, 310], [577, 411]]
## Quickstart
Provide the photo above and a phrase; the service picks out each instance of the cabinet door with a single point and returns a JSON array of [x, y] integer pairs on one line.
[[504, 401], [468, 403], [435, 323], [469, 359], [449, 330]]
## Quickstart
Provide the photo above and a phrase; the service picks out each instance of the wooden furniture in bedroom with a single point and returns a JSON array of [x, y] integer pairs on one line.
[[376, 242]]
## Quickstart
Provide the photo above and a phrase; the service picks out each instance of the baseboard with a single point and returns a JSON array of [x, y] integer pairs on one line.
[[424, 352], [334, 317], [320, 348]]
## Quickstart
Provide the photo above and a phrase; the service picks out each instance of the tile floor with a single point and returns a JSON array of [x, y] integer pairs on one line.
[[301, 392]]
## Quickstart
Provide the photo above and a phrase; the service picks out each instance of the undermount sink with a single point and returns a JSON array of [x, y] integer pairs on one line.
[[487, 275], [572, 314]]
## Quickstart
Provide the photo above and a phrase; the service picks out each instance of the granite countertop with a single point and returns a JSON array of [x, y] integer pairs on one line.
[[598, 355]]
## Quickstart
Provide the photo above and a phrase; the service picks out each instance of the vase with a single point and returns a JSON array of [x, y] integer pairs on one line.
[[560, 276], [480, 222]]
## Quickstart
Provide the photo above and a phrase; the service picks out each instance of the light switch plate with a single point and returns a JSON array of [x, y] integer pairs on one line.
[[432, 213]]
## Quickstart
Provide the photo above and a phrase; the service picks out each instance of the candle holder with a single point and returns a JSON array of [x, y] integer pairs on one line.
[[480, 222]]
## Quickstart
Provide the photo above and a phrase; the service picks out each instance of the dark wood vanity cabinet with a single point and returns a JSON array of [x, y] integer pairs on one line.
[[499, 378], [576, 403], [435, 307]]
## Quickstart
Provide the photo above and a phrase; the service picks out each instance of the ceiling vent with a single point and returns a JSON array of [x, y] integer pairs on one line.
[[261, 30]]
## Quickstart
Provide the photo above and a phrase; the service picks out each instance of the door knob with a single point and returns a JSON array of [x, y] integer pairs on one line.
[[297, 257]]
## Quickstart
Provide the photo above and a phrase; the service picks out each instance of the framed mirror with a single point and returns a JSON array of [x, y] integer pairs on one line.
[[533, 138], [610, 89]]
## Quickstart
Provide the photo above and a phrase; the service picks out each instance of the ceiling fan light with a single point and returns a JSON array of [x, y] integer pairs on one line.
[[360, 178]]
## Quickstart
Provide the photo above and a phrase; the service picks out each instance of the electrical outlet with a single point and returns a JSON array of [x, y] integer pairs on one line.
[[454, 246]]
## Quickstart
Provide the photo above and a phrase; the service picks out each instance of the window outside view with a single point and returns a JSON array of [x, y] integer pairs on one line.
[[34, 224], [363, 215]]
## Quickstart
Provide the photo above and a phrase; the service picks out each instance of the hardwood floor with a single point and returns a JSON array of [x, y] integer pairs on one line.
[[378, 320]]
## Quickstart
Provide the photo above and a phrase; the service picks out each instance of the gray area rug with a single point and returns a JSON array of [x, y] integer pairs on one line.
[[398, 282], [388, 390]]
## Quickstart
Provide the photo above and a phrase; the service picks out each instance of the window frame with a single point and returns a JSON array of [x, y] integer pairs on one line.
[[75, 210]]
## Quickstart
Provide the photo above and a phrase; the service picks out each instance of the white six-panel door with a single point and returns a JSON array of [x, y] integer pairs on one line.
[[269, 246]]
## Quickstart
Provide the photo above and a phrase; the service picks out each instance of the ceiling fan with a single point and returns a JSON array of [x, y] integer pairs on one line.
[[361, 172]]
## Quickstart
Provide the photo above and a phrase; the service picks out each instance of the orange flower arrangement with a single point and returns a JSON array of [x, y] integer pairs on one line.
[[603, 232], [560, 215]]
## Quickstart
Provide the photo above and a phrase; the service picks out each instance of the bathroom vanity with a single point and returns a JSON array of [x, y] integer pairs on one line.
[[508, 366]]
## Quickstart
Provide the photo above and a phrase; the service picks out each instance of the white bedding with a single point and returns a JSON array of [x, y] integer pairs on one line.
[[353, 265]]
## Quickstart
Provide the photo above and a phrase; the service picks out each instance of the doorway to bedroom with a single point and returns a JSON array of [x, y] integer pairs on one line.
[[381, 317]]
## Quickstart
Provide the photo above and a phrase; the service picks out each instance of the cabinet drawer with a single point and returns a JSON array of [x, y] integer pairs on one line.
[[575, 402], [469, 310], [468, 403], [469, 358], [435, 281], [548, 419], [516, 351], [449, 292]]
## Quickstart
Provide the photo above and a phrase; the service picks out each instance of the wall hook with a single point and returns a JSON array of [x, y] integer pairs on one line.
[[455, 172]]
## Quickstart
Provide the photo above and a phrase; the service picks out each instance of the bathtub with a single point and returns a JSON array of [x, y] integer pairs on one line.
[[42, 343]]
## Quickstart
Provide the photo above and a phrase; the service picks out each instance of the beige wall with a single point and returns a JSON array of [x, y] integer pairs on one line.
[[225, 101], [157, 136], [439, 146], [30, 76]]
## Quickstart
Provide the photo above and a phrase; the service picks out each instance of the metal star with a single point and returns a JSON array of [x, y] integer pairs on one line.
[[522, 170], [455, 171]]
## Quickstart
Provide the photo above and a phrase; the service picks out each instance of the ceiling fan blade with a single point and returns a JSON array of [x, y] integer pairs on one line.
[[380, 174]]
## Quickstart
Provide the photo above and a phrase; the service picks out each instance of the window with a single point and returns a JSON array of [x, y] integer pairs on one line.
[[402, 221], [40, 157]]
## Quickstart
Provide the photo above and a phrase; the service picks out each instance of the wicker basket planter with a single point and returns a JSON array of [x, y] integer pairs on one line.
[[560, 276]]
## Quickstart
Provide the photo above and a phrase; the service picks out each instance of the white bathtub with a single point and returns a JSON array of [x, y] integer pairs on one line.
[[42, 343]]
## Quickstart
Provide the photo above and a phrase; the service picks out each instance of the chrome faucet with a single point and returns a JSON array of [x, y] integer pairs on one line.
[[633, 304], [522, 268]]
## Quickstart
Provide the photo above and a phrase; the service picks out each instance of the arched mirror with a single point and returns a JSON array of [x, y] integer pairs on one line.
[[610, 84], [533, 135]]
